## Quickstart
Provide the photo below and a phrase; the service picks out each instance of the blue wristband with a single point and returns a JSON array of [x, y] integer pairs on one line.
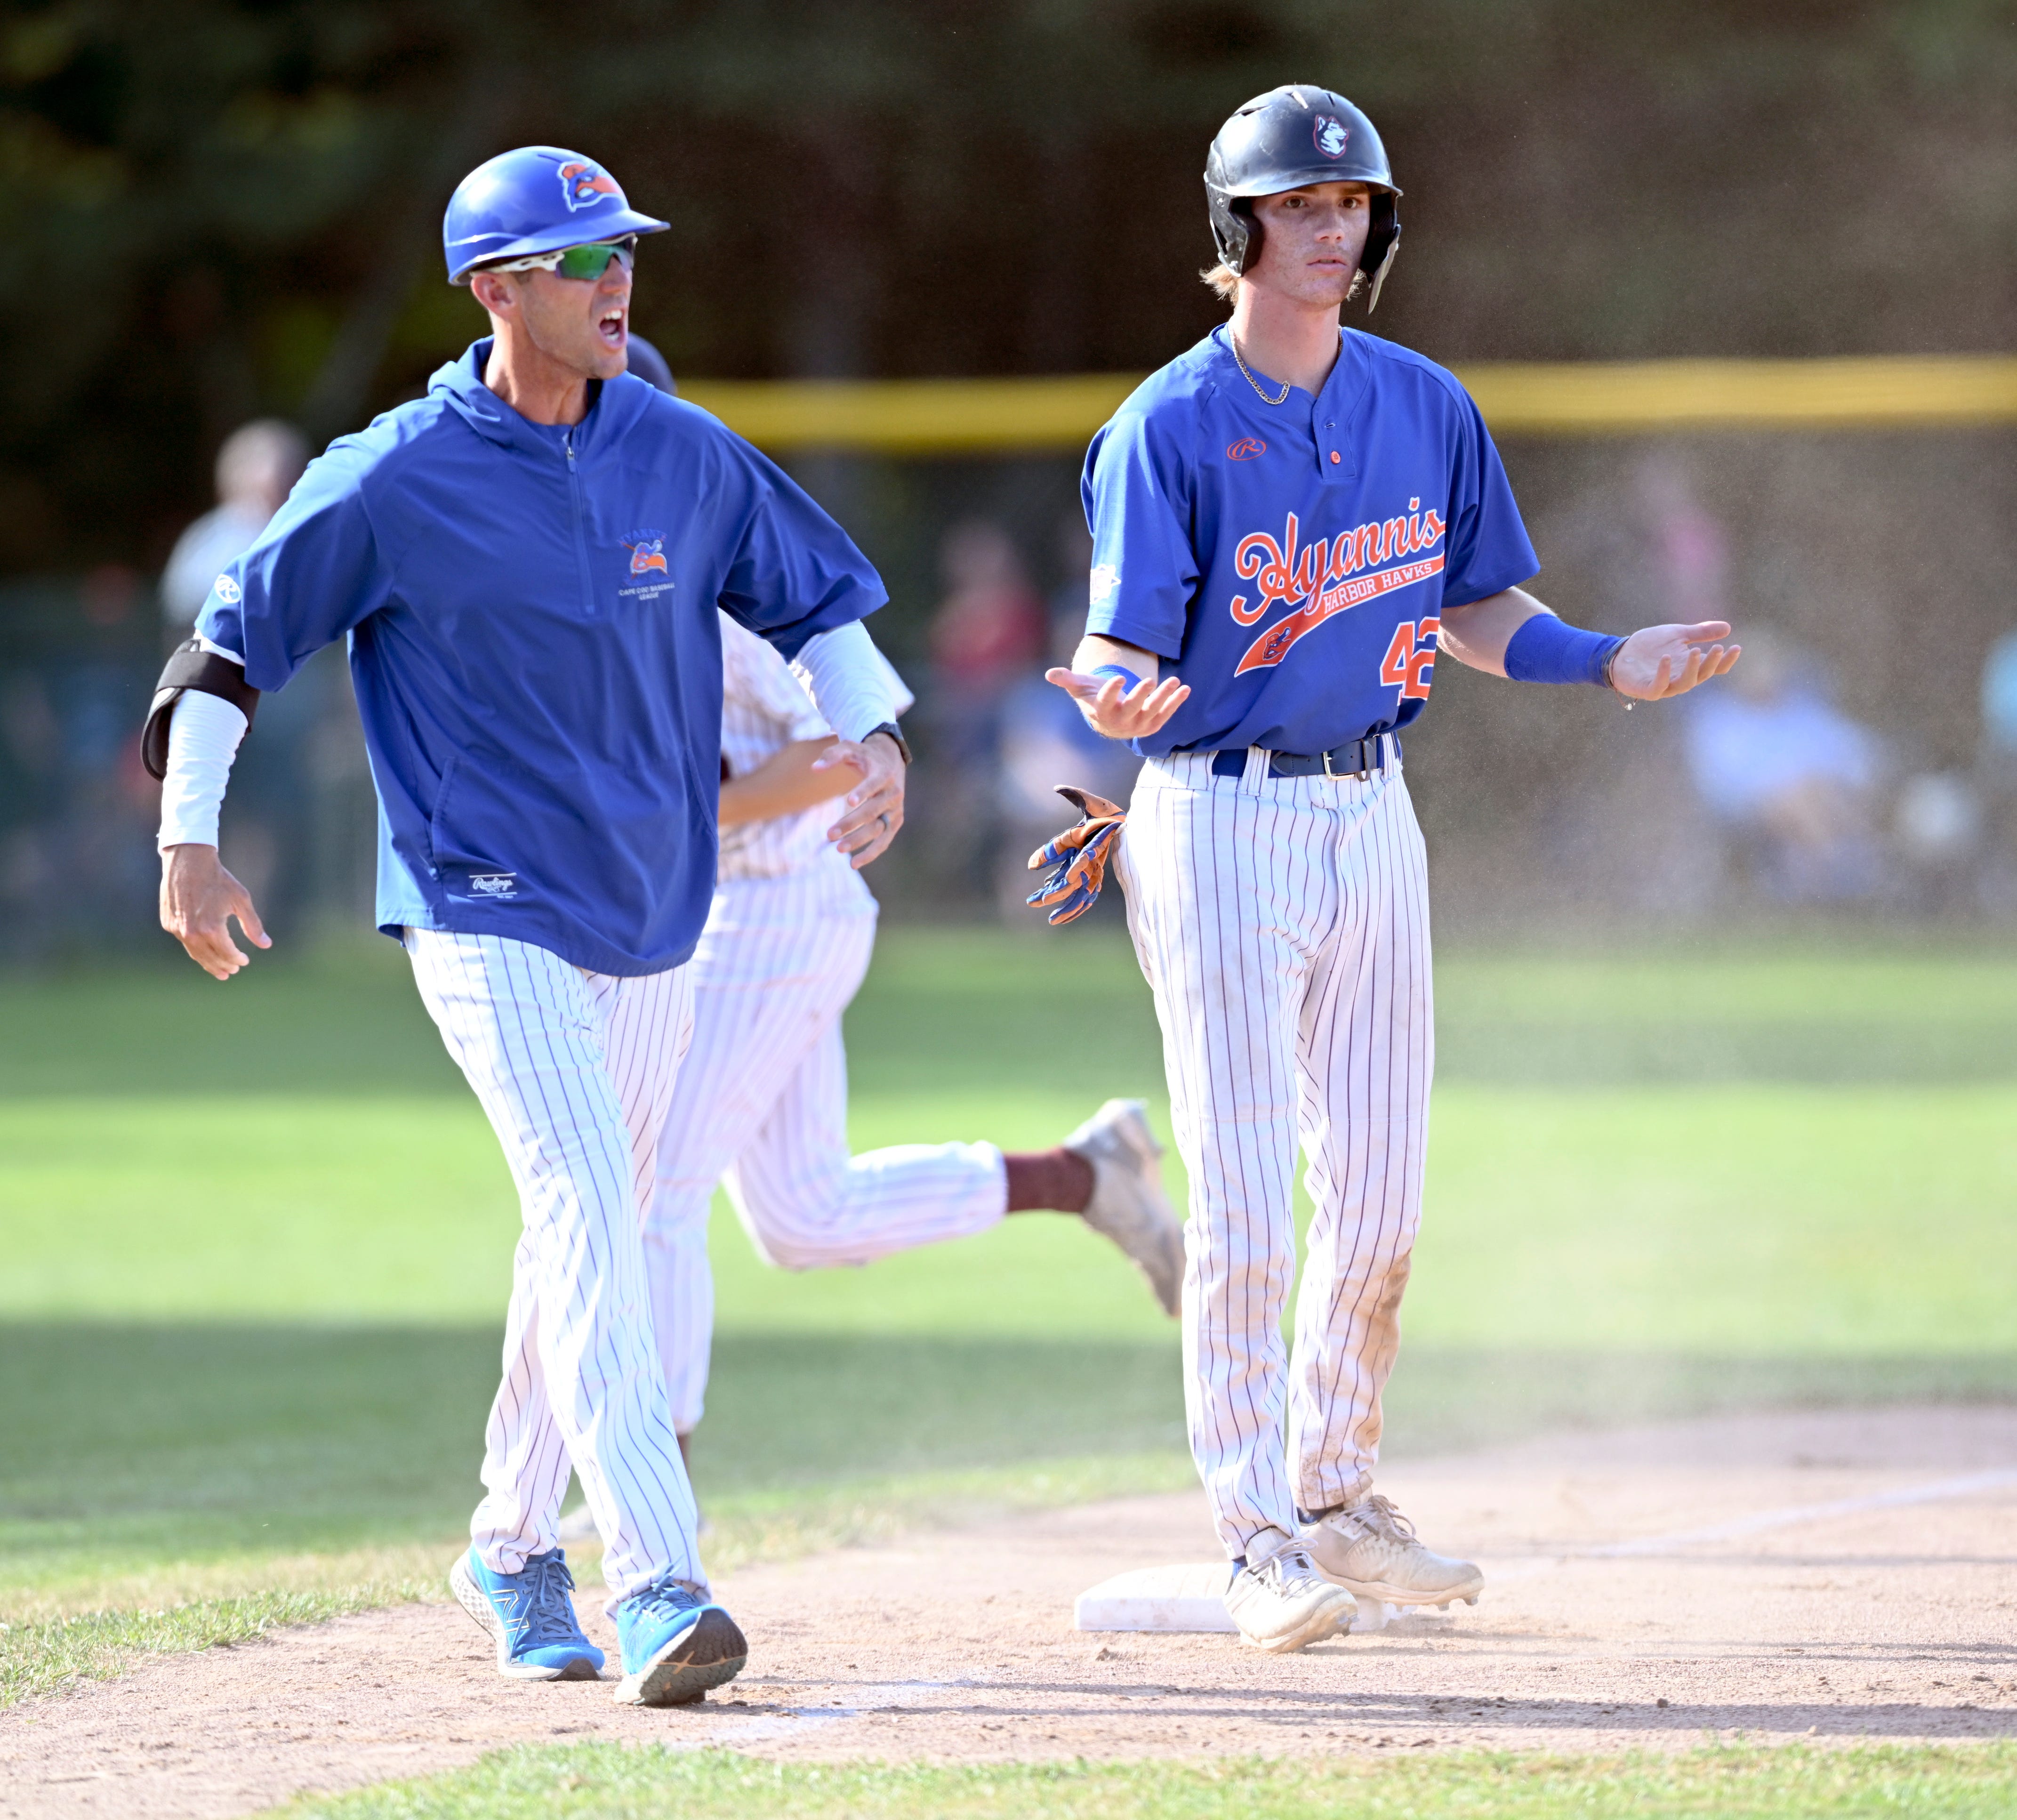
[[1544, 650], [1129, 680]]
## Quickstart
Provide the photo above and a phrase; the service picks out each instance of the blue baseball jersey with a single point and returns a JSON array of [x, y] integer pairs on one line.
[[532, 618], [1291, 562]]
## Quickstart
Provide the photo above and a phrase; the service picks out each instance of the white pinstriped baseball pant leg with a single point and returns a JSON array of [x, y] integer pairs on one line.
[[1282, 925], [575, 1071], [763, 1103]]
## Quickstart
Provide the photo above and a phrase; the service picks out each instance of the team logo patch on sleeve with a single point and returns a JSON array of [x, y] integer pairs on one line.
[[1332, 136], [227, 591], [1103, 584]]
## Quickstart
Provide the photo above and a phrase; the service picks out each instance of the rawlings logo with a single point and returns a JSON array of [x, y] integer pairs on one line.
[[1329, 575], [1246, 449], [582, 184], [493, 884], [1332, 136]]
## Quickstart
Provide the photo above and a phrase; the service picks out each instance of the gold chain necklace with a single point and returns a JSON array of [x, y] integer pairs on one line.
[[1232, 341]]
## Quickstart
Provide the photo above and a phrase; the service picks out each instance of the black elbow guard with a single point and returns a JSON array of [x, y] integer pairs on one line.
[[190, 666]]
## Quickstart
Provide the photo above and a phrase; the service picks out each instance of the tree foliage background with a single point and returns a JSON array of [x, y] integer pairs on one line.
[[211, 210]]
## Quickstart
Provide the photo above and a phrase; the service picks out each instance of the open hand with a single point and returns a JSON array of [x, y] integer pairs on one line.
[[1117, 711], [199, 899], [1661, 662], [874, 810]]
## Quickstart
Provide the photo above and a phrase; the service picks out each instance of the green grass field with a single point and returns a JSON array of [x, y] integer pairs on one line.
[[258, 1239], [1732, 1782]]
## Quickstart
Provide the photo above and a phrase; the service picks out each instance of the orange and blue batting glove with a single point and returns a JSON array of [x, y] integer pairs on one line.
[[1080, 854]]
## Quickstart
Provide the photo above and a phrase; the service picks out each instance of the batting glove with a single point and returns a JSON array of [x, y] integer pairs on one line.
[[1079, 854]]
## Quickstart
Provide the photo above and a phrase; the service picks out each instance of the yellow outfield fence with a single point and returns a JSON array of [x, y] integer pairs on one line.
[[1059, 414]]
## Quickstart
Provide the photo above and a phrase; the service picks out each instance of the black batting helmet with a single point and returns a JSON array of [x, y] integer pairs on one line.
[[1292, 135]]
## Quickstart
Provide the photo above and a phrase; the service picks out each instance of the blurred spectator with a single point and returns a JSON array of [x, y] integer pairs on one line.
[[1690, 549], [76, 811], [256, 469], [267, 836], [991, 627], [1938, 820], [1069, 599], [1046, 742], [989, 632], [1789, 775], [1999, 703]]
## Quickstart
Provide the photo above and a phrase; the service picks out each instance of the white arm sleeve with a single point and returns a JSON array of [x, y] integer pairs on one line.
[[203, 740], [849, 680]]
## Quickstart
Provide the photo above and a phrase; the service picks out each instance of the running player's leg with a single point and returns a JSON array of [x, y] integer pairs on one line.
[[532, 1034], [807, 1203], [1229, 894], [769, 979]]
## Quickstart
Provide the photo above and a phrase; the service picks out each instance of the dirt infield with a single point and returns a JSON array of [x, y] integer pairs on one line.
[[1840, 1575]]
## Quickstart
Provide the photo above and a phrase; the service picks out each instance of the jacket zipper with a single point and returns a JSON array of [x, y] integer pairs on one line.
[[580, 530]]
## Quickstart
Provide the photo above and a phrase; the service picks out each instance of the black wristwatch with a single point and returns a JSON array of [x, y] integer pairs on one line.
[[896, 733]]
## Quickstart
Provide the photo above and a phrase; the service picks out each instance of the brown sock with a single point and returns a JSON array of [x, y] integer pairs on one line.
[[1058, 1181]]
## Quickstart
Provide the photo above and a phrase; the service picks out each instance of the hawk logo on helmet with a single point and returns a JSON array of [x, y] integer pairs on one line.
[[1332, 136], [582, 183], [647, 554]]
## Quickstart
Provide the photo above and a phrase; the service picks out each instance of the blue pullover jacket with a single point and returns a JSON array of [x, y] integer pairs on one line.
[[531, 614]]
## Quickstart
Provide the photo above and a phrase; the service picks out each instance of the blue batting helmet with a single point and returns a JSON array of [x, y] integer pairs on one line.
[[538, 198], [1292, 135]]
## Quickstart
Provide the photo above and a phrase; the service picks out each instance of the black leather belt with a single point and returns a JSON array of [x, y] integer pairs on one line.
[[1356, 758]]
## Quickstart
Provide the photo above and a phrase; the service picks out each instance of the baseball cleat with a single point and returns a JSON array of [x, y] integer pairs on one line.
[[1283, 1604], [530, 1616], [677, 1645], [1128, 1205], [1369, 1548]]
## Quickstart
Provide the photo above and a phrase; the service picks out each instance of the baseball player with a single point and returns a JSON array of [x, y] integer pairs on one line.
[[762, 1098], [1290, 522], [527, 563]]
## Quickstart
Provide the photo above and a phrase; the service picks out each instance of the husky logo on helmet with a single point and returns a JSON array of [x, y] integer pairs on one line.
[[1332, 136], [582, 183]]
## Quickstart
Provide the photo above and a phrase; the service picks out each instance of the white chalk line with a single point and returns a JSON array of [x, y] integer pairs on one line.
[[1758, 1521]]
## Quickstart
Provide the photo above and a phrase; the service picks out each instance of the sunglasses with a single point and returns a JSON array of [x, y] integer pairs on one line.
[[588, 262]]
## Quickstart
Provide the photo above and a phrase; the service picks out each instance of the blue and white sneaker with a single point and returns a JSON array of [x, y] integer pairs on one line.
[[530, 1615], [677, 1645]]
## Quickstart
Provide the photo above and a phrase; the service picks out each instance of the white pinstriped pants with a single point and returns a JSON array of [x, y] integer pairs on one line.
[[1284, 927], [575, 1071], [763, 1103]]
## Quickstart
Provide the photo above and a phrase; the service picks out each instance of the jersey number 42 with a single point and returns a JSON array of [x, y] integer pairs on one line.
[[1410, 658]]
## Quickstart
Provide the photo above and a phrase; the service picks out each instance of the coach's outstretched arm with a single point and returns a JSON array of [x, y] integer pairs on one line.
[[199, 897], [1512, 635]]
